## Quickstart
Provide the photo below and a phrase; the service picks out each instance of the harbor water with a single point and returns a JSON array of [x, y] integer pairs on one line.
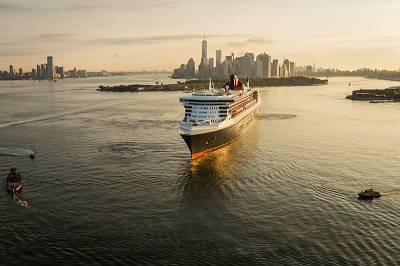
[[113, 182]]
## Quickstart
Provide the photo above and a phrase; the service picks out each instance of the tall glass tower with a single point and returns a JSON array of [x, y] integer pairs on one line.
[[50, 68], [204, 50], [204, 61]]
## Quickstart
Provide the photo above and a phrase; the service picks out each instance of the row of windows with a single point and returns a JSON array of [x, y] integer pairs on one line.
[[207, 108]]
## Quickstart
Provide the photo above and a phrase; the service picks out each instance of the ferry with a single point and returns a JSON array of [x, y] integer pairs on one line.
[[217, 117]]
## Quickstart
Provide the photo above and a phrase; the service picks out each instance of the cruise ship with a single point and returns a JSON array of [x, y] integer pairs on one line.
[[217, 117]]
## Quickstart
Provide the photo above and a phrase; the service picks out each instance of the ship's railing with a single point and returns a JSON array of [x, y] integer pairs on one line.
[[205, 124]]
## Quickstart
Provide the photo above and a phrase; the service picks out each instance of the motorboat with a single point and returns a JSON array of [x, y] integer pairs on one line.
[[14, 181], [369, 194], [14, 187]]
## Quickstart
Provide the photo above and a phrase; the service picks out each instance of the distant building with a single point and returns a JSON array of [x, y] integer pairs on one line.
[[11, 74], [225, 68], [210, 66], [286, 64], [60, 72], [5, 75], [190, 69], [228, 65], [187, 71], [218, 57], [247, 65], [275, 68], [81, 73], [43, 69], [259, 68], [204, 61], [284, 71], [266, 65], [38, 71], [50, 68], [292, 69]]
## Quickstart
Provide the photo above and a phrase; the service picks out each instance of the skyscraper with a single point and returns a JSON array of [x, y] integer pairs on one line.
[[259, 68], [190, 69], [266, 66], [204, 49], [43, 68], [37, 71], [210, 66], [245, 65], [285, 70], [291, 69], [204, 61], [12, 72], [218, 63], [286, 63], [218, 57], [275, 68], [50, 68]]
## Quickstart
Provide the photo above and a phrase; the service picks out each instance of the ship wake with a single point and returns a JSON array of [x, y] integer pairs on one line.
[[276, 116], [16, 152]]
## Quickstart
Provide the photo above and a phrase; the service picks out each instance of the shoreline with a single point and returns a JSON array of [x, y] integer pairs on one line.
[[191, 85]]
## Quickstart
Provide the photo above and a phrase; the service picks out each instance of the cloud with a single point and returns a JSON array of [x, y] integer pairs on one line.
[[251, 41], [16, 53], [160, 38], [55, 36], [329, 34], [30, 41], [10, 7], [88, 5]]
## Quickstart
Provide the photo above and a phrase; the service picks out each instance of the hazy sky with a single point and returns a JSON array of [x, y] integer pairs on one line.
[[161, 34]]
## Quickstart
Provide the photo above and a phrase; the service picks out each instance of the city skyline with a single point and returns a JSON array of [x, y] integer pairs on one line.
[[138, 35], [260, 66]]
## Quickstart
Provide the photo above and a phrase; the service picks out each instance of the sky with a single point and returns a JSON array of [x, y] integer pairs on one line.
[[133, 35]]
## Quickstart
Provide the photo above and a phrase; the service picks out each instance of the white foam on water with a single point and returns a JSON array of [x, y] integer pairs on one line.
[[22, 203], [67, 113], [48, 117], [15, 152], [276, 116]]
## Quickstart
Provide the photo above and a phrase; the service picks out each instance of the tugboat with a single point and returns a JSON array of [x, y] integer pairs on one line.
[[14, 181], [368, 194]]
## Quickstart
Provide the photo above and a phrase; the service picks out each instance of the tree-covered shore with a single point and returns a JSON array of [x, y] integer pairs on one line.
[[197, 84]]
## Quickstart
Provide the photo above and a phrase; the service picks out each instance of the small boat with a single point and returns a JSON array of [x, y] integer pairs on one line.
[[369, 194], [14, 181], [349, 84], [14, 187]]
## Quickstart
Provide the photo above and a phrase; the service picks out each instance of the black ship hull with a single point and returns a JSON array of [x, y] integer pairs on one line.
[[201, 144]]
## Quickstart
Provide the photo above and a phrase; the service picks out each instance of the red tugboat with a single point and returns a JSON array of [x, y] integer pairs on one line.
[[368, 194]]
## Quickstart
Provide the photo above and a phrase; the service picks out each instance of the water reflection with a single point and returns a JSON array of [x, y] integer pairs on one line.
[[207, 177], [217, 175], [204, 189]]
